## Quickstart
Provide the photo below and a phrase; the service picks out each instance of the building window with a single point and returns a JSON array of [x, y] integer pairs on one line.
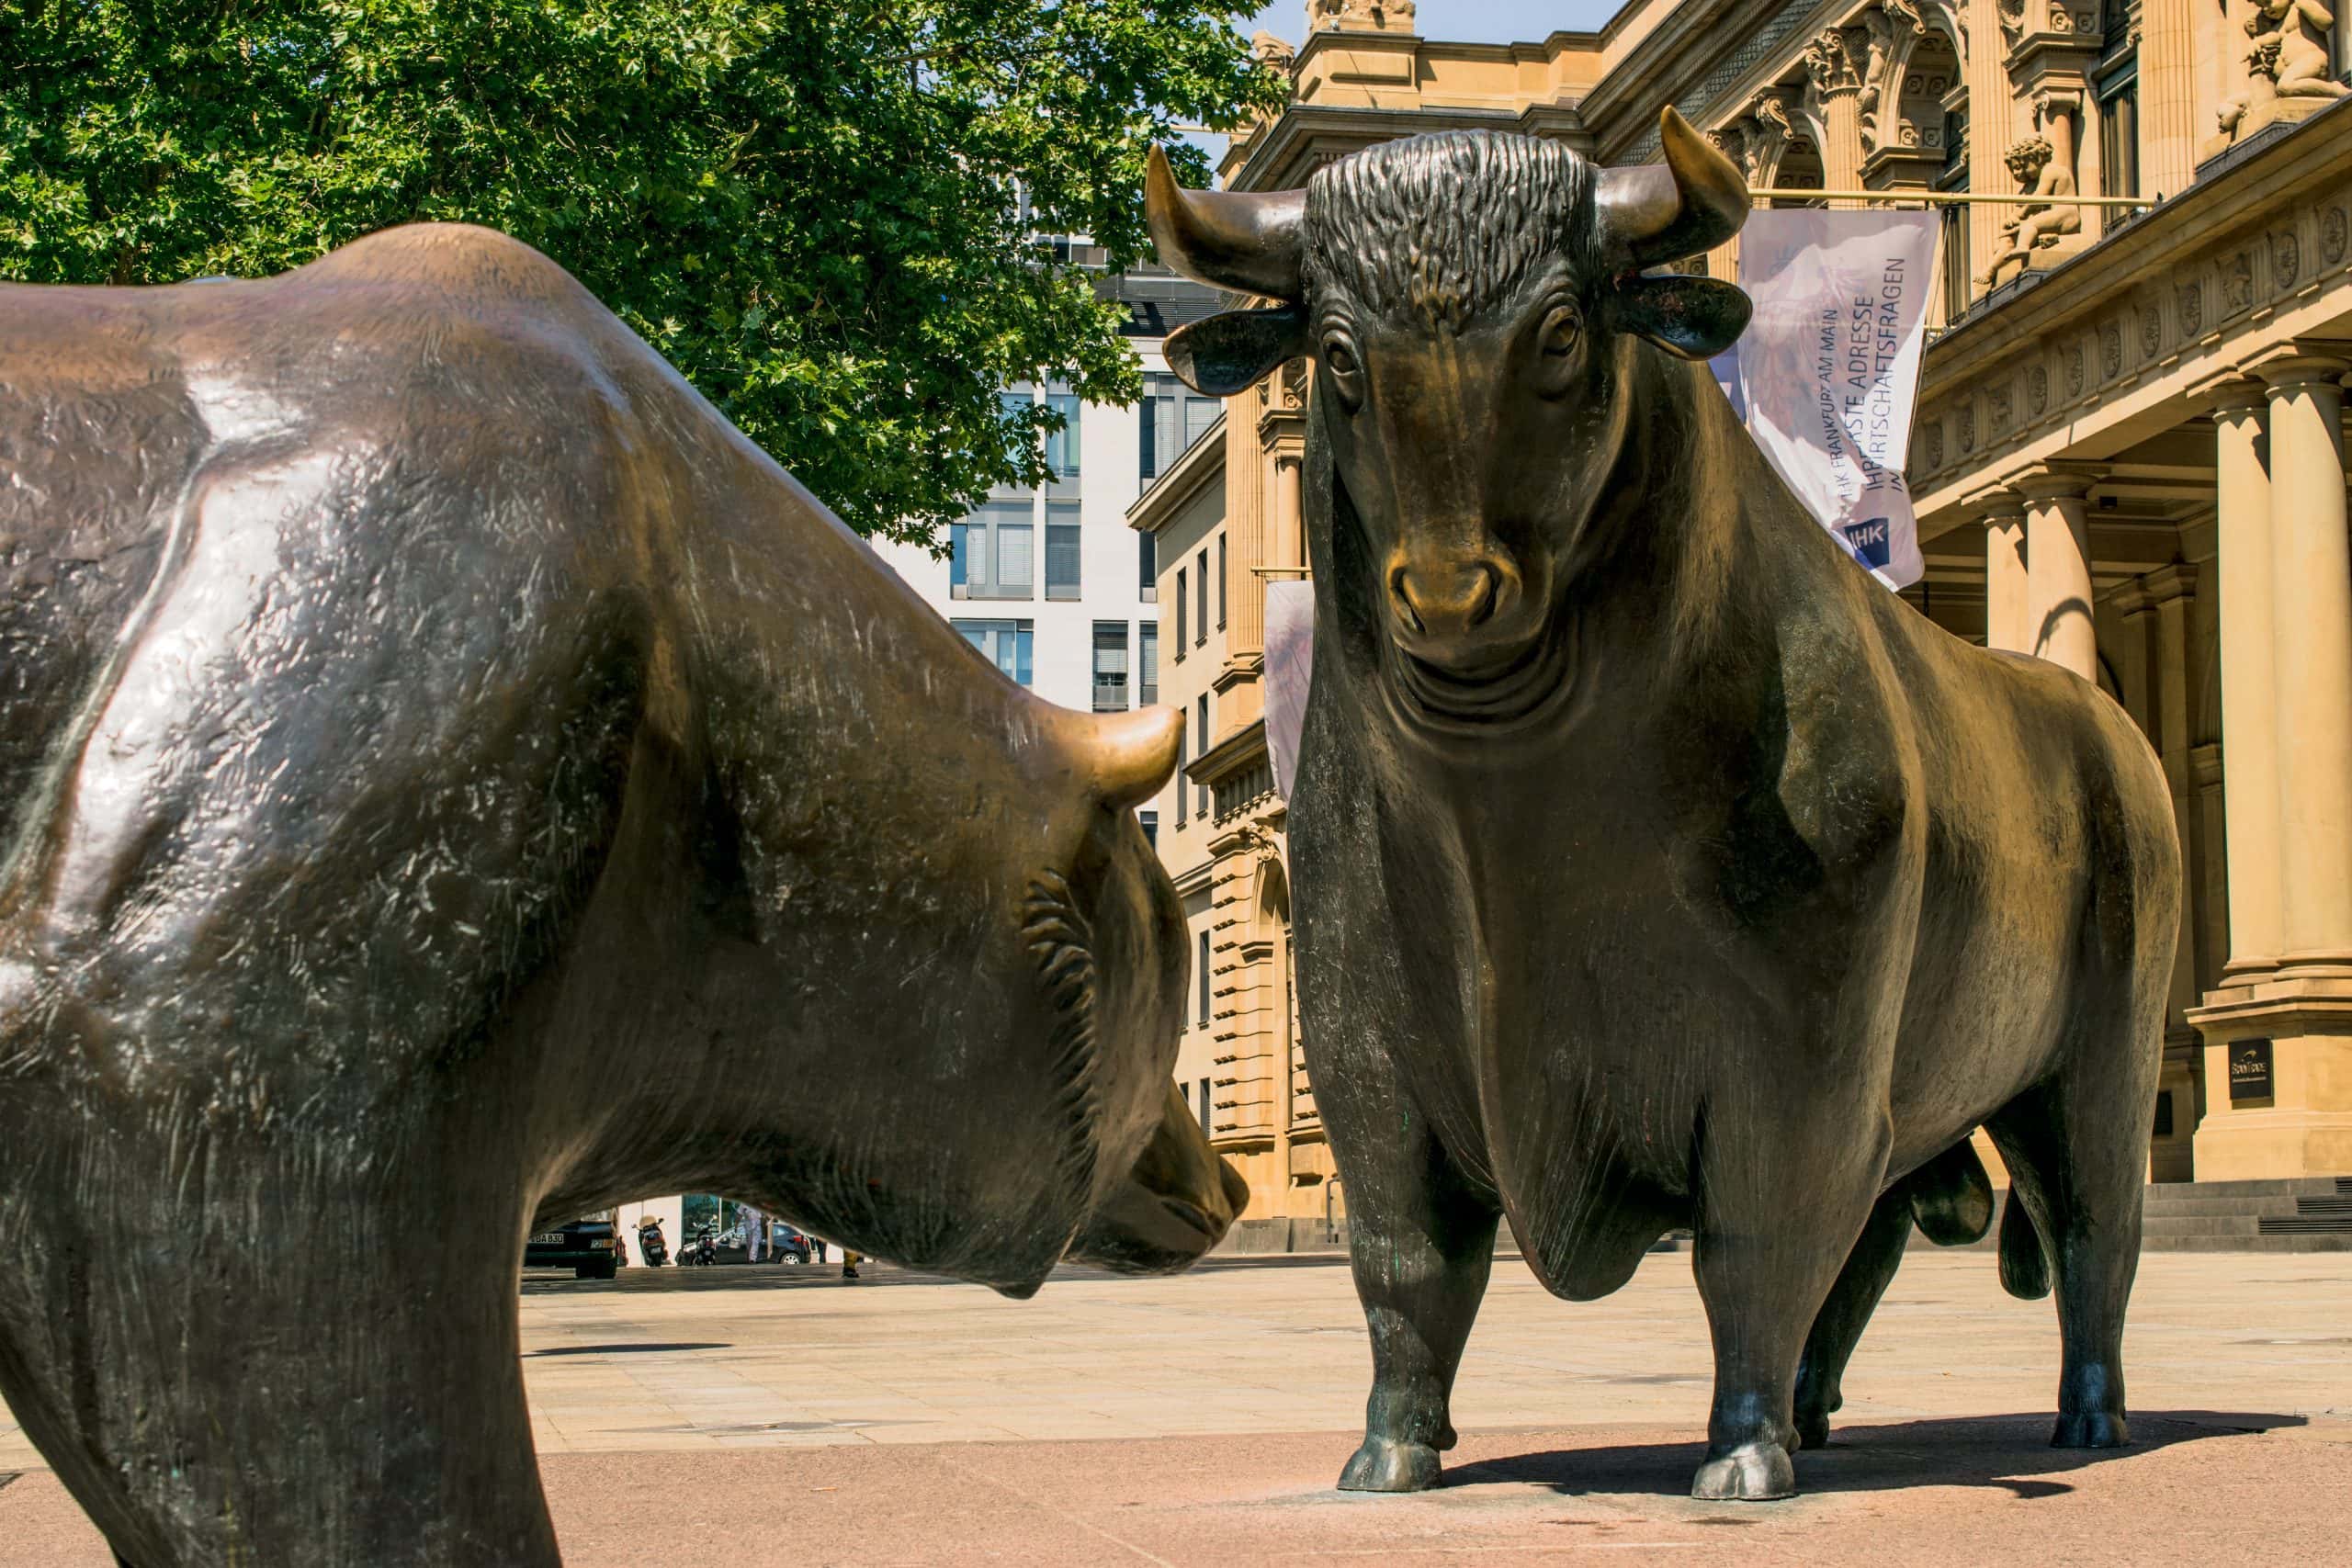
[[994, 555], [1200, 804], [1204, 990], [1199, 414], [1954, 177], [1147, 569], [2119, 138], [1062, 550], [1180, 614], [1180, 778], [1004, 644], [1220, 583], [1150, 824], [1173, 417], [1205, 1104], [1201, 630], [1147, 665], [1110, 666], [1061, 446]]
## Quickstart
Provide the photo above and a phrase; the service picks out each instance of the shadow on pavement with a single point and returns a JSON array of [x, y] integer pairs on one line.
[[2007, 1453], [631, 1350]]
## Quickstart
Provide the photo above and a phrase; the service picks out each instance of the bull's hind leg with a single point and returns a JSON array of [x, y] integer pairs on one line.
[[1838, 1327], [1950, 1200], [2076, 1149]]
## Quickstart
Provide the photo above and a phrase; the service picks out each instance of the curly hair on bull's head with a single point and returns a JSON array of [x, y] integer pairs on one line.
[[1448, 226]]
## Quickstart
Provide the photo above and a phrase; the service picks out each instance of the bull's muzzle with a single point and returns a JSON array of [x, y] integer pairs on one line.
[[1462, 613], [1177, 1202]]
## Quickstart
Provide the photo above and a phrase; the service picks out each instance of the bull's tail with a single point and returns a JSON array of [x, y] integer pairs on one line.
[[2025, 1266]]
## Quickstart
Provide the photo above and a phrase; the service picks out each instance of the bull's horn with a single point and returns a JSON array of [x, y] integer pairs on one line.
[[1662, 212], [1251, 243], [1129, 755]]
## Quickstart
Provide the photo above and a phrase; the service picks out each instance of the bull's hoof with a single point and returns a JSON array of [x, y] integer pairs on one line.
[[1813, 1429], [1384, 1465], [1755, 1474], [2091, 1429], [1446, 1438]]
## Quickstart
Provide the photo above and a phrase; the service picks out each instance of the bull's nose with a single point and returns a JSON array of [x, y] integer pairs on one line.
[[1446, 602]]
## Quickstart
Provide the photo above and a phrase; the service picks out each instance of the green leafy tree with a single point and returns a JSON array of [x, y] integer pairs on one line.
[[824, 214]]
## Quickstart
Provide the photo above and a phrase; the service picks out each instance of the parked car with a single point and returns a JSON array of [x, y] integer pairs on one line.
[[785, 1246], [588, 1247]]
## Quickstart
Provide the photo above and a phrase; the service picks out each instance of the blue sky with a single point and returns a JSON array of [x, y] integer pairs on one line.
[[1465, 21]]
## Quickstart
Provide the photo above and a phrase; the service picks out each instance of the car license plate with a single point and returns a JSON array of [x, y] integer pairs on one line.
[[548, 1238]]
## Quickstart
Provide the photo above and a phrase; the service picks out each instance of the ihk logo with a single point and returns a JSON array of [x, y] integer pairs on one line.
[[1870, 541]]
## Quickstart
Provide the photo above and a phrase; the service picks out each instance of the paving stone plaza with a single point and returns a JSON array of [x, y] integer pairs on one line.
[[780, 1415]]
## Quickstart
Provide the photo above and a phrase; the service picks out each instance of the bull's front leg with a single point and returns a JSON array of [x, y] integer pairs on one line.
[[1420, 1245], [234, 1354]]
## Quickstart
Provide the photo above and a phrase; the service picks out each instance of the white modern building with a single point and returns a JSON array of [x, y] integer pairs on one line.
[[1051, 584]]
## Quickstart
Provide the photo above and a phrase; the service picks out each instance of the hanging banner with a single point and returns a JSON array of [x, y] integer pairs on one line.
[[1829, 367], [1289, 664]]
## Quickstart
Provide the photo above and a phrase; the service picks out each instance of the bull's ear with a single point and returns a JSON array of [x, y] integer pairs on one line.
[[1696, 318], [1220, 355]]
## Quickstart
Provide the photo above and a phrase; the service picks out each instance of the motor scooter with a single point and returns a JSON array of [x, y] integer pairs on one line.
[[650, 1243], [702, 1250]]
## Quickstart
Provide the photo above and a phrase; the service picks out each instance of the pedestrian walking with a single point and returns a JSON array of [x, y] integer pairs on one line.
[[819, 1242], [849, 1264], [755, 1233]]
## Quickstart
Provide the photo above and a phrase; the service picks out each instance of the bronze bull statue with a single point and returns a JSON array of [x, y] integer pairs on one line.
[[1655, 866], [448, 773]]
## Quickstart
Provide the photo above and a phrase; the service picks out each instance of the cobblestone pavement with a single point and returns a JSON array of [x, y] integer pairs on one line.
[[1201, 1419]]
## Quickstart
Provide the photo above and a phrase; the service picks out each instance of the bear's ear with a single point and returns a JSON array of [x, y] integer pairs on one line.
[[1220, 355], [1694, 318]]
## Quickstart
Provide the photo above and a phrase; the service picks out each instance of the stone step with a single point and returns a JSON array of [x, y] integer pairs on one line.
[[2280, 1187], [2204, 1224], [2154, 1208], [2247, 1244], [2304, 1225]]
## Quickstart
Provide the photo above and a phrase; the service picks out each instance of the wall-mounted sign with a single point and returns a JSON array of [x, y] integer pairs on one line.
[[2249, 1070]]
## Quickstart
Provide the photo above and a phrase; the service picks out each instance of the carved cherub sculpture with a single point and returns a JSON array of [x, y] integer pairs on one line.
[[2302, 27], [2032, 163]]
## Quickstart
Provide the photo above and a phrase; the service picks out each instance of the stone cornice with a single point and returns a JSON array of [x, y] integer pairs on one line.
[[1229, 756], [1675, 58], [2125, 339], [1307, 136]]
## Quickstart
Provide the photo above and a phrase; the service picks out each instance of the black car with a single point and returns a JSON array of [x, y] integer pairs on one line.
[[785, 1246], [588, 1247]]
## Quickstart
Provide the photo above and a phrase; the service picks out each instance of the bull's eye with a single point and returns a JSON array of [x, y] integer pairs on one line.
[[1344, 370], [1558, 335]]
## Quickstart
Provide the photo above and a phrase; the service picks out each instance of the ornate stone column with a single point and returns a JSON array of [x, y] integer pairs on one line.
[[2168, 128], [2279, 1045], [1994, 117], [1288, 546], [2005, 570], [2058, 568], [2170, 592], [2313, 573], [1837, 86], [2249, 714]]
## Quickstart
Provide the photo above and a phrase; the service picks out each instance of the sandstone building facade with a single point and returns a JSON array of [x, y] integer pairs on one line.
[[2129, 457]]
